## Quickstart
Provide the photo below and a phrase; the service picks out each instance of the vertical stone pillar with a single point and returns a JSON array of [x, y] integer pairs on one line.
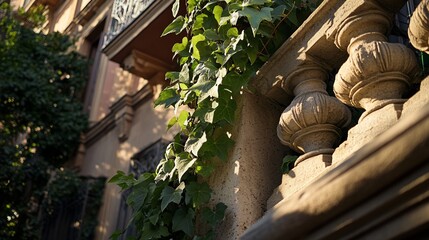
[[311, 125], [375, 75], [418, 31]]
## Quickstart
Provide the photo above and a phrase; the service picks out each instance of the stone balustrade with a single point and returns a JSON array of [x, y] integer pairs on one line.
[[312, 123], [418, 30], [348, 39]]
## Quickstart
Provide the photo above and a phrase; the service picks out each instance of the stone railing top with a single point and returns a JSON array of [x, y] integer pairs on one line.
[[314, 40]]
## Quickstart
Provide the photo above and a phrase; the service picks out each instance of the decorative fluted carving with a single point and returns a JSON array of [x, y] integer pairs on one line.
[[312, 123], [377, 72], [418, 31]]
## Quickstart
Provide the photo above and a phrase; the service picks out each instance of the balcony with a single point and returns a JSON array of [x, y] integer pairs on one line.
[[133, 39], [362, 175], [123, 14]]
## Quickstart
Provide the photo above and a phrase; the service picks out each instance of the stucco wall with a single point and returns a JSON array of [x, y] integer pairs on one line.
[[247, 180], [107, 155]]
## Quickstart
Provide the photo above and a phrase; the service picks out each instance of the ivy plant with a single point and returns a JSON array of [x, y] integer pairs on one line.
[[224, 43]]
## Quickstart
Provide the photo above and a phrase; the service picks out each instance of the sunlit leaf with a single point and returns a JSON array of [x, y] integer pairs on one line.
[[195, 50], [217, 12], [175, 8], [183, 162], [194, 144]]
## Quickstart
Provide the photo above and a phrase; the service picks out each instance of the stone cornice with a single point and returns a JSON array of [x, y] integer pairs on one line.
[[121, 112]]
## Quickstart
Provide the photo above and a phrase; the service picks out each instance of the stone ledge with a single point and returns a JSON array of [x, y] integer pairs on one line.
[[398, 158]]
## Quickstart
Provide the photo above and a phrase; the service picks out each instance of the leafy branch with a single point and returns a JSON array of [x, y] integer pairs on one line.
[[225, 43]]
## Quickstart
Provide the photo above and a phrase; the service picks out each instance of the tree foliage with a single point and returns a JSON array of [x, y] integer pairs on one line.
[[41, 117], [225, 43]]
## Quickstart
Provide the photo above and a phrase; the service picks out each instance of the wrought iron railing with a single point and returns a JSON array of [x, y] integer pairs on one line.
[[124, 12]]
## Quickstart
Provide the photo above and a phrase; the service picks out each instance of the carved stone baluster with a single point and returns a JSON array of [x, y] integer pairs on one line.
[[418, 30], [376, 74], [312, 123]]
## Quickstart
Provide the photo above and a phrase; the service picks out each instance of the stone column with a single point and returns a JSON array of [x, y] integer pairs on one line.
[[418, 31], [375, 75], [311, 125]]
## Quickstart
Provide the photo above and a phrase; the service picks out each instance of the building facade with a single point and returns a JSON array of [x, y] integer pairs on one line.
[[360, 175]]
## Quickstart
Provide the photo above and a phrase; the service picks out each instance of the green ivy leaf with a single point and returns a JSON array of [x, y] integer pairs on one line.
[[167, 97], [176, 26], [182, 119], [287, 161], [199, 193], [235, 81], [173, 76], [232, 32], [194, 144], [219, 146], [151, 231], [293, 18], [195, 49], [138, 196], [191, 5], [255, 16], [211, 35], [226, 108], [116, 234], [183, 221], [171, 122], [154, 214], [255, 2], [204, 168], [181, 48], [199, 21], [213, 217], [175, 8], [170, 195], [183, 162], [278, 12], [184, 74], [217, 12], [122, 180]]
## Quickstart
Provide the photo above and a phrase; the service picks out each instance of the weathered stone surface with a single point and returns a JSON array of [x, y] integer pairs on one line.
[[376, 71], [247, 179], [313, 120], [418, 101], [418, 30], [369, 127], [300, 177], [380, 192], [374, 77]]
